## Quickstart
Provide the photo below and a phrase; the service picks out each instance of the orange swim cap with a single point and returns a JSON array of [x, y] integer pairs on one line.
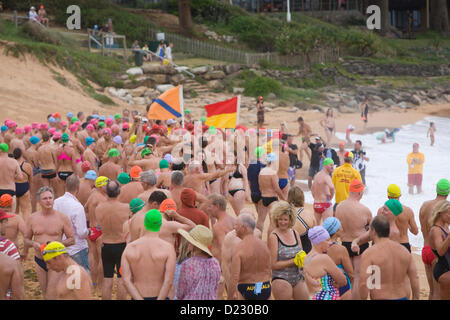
[[135, 172], [6, 200], [167, 204], [356, 186]]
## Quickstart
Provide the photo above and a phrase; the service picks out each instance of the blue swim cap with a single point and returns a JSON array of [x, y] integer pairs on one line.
[[95, 116], [70, 115], [34, 140], [111, 117], [271, 157], [90, 175], [102, 118], [51, 119], [4, 128], [89, 141], [332, 225]]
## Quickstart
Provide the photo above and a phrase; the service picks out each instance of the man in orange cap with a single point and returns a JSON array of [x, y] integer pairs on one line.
[[355, 219], [129, 191], [342, 176], [43, 16]]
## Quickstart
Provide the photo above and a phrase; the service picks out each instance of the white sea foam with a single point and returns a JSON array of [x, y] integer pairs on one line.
[[388, 165]]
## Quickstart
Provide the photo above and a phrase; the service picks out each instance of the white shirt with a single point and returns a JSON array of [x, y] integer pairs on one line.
[[33, 15], [70, 206], [169, 53]]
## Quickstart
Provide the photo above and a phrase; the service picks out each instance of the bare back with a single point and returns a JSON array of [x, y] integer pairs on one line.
[[355, 219], [111, 215]]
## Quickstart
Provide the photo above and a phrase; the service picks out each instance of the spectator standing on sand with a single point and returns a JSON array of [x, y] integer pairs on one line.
[[168, 53], [260, 111]]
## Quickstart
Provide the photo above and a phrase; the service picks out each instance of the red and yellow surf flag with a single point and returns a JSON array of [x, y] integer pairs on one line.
[[224, 114], [168, 105]]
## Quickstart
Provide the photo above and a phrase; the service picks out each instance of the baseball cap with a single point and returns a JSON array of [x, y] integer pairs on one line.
[[4, 215], [393, 191], [348, 154], [356, 186], [90, 175], [153, 220]]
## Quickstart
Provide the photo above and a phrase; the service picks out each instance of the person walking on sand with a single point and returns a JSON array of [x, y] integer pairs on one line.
[[322, 191], [260, 111], [329, 125], [415, 162], [364, 107], [430, 132], [393, 265]]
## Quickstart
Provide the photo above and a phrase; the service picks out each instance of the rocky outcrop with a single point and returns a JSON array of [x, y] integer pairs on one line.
[[362, 67]]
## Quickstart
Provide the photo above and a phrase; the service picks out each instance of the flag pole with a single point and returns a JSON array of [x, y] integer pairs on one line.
[[238, 109], [182, 106]]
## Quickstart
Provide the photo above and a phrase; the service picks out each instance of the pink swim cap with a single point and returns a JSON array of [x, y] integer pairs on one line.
[[27, 128], [108, 131], [52, 131], [19, 130], [90, 127], [115, 127], [43, 126], [155, 136], [35, 125], [109, 121], [73, 128], [63, 123], [11, 124], [57, 135], [125, 125]]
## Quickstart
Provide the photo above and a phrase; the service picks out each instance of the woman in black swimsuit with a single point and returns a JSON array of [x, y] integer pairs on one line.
[[237, 188], [23, 196], [440, 245], [305, 218]]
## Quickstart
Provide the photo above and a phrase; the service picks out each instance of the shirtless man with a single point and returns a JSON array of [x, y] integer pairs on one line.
[[15, 224], [268, 184], [17, 141], [111, 169], [87, 184], [355, 219], [148, 180], [322, 191], [304, 131], [65, 288], [33, 157], [428, 257], [111, 215], [176, 187], [129, 191], [394, 264], [104, 143], [149, 161], [229, 242], [149, 252], [216, 208], [251, 267], [195, 179], [164, 180], [43, 226], [341, 152], [48, 158], [11, 278], [171, 221], [9, 173], [403, 221], [89, 154]]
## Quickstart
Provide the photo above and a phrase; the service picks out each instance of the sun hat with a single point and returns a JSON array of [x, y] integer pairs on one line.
[[200, 236], [443, 187], [395, 206], [318, 234], [52, 250], [123, 178], [85, 166], [393, 191], [332, 225], [113, 152], [101, 181], [153, 220], [136, 205], [6, 200], [90, 175], [356, 186], [135, 172]]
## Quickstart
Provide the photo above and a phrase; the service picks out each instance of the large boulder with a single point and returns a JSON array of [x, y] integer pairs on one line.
[[176, 79], [215, 75], [138, 92], [164, 87], [215, 84], [158, 69], [160, 78], [200, 70], [136, 71]]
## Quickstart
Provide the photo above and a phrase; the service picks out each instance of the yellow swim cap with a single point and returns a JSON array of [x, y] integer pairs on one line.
[[300, 258], [133, 138], [52, 250], [393, 191], [101, 181]]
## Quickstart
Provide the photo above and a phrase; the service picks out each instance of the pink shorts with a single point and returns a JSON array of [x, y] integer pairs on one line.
[[415, 179]]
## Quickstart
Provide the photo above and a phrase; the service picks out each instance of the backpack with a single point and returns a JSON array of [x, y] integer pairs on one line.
[[335, 157]]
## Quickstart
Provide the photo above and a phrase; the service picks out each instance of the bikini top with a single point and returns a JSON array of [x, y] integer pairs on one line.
[[236, 174], [64, 156]]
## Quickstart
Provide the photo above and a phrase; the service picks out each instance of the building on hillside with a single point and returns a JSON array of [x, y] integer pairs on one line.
[[400, 11]]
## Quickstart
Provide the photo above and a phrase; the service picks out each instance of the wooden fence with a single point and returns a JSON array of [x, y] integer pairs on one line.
[[216, 52]]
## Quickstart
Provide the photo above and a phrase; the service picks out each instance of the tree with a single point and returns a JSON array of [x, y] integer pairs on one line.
[[439, 16], [184, 15]]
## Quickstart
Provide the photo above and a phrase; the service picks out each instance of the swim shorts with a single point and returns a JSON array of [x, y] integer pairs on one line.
[[282, 183], [321, 207], [362, 248], [427, 255], [255, 291], [256, 197], [268, 200], [415, 179], [111, 257]]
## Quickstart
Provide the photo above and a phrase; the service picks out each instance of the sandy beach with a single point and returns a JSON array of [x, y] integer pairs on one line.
[[30, 92]]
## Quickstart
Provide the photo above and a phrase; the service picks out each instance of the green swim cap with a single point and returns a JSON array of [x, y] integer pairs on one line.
[[136, 204], [123, 178], [4, 147], [146, 151], [395, 206], [187, 111], [212, 130], [146, 139], [113, 152], [203, 119], [65, 137], [73, 120], [153, 220], [259, 152], [327, 162], [117, 116], [443, 187], [163, 164], [101, 124]]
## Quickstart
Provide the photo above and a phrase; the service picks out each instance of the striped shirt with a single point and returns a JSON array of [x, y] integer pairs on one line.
[[9, 249]]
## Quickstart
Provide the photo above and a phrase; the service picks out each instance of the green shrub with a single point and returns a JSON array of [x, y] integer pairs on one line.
[[261, 86], [37, 33]]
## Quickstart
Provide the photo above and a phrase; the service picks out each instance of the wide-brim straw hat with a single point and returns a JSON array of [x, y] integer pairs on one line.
[[200, 236]]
